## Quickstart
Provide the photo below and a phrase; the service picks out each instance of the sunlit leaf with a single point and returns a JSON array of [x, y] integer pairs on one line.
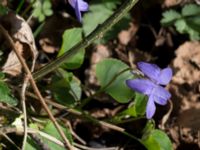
[[138, 107], [169, 17], [157, 140], [109, 69], [99, 11], [42, 9], [51, 130], [190, 10], [70, 38]]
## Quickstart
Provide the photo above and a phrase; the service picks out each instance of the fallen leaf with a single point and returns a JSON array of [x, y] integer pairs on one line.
[[12, 65], [22, 35]]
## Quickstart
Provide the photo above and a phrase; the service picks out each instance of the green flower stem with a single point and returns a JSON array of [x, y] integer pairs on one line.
[[28, 8], [19, 7], [38, 30], [97, 33]]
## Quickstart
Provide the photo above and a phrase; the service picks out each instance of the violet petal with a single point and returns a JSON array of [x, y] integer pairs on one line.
[[165, 76], [150, 70], [161, 92], [83, 6], [77, 11], [144, 86], [151, 108], [79, 5], [159, 100]]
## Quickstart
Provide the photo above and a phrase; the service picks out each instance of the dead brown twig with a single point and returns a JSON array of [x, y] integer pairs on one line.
[[35, 88]]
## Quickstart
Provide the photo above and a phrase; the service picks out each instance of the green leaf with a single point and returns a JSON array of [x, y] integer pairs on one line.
[[70, 38], [2, 75], [149, 127], [48, 12], [139, 106], [111, 4], [41, 9], [51, 130], [157, 140], [31, 145], [46, 4], [106, 70], [190, 10], [5, 94], [186, 23], [194, 23], [99, 13], [169, 17], [66, 89], [183, 27], [100, 10], [47, 8]]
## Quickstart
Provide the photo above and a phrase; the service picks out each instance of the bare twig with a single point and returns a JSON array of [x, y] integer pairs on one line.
[[39, 141], [35, 88], [83, 147], [166, 116], [74, 134], [23, 101]]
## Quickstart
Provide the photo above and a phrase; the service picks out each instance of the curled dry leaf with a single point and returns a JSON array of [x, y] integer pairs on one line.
[[12, 65], [22, 35]]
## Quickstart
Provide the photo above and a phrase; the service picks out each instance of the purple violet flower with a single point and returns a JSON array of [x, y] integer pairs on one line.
[[151, 86], [79, 5]]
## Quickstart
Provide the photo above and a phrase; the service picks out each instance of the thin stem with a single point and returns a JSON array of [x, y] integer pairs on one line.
[[28, 8], [19, 6], [23, 101], [97, 33], [38, 30], [35, 88]]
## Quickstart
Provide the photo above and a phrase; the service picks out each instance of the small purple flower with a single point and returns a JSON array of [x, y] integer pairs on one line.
[[151, 86], [79, 5]]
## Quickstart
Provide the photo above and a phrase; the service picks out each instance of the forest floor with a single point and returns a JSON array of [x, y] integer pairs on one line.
[[144, 40]]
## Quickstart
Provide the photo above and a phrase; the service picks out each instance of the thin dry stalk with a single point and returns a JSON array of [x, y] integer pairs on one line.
[[23, 101]]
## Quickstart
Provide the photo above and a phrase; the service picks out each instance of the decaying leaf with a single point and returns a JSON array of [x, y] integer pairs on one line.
[[22, 35], [12, 65]]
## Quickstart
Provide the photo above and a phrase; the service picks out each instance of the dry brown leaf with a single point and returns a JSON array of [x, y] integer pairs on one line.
[[12, 65], [22, 35]]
